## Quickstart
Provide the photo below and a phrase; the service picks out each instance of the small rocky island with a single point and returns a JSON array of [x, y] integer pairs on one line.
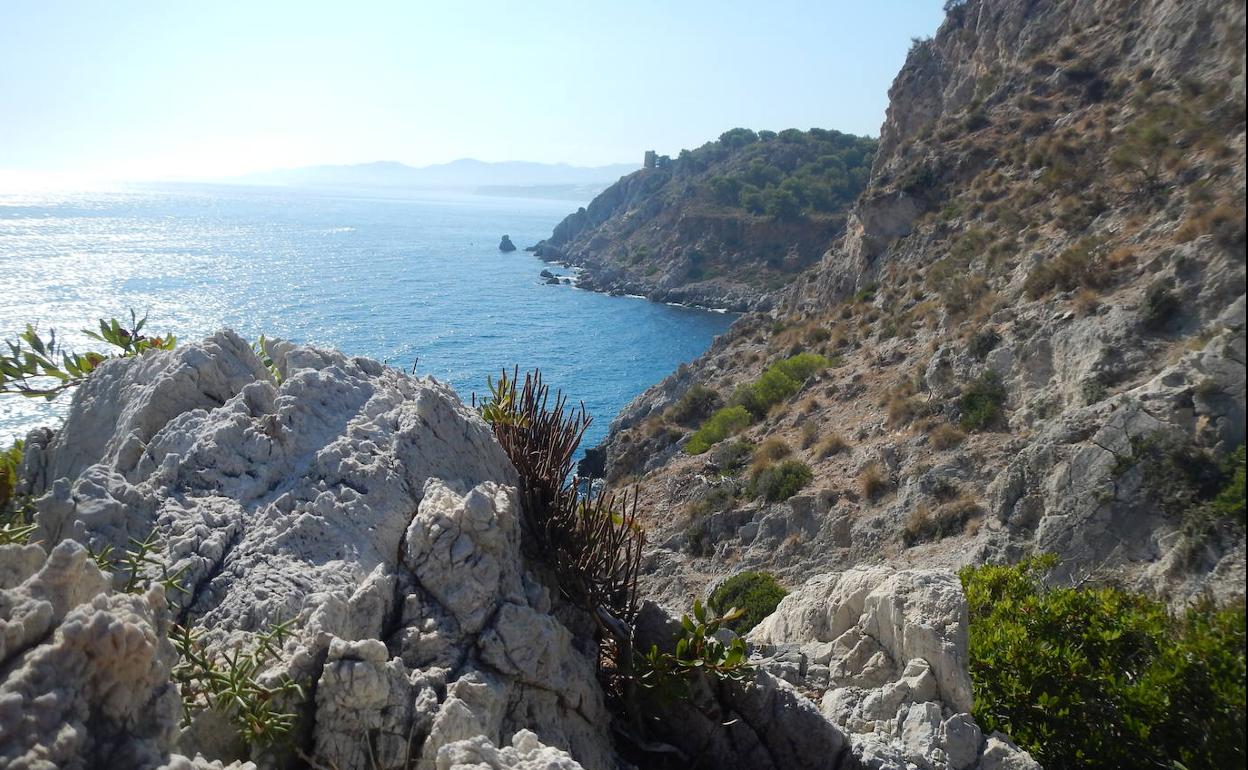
[[505, 245]]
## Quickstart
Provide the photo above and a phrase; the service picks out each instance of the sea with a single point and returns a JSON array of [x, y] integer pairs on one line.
[[412, 279]]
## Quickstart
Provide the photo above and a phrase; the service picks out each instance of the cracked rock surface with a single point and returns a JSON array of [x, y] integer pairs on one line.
[[370, 509]]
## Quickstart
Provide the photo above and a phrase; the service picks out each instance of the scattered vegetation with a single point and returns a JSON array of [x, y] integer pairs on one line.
[[40, 368], [776, 483], [925, 524], [1079, 267], [873, 480], [1048, 662], [754, 594], [981, 402], [696, 404], [832, 445], [768, 452], [946, 436], [233, 683], [1159, 306], [778, 382], [726, 422], [782, 175], [732, 456]]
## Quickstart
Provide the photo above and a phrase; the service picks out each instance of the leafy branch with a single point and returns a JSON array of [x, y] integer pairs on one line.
[[39, 368], [698, 652]]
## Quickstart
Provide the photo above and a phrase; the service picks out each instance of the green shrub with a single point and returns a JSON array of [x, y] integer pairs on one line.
[[755, 593], [1080, 266], [696, 404], [713, 499], [1158, 307], [772, 387], [10, 462], [698, 653], [721, 425], [16, 513], [1099, 677], [981, 402], [983, 343], [1229, 503], [801, 366], [778, 382], [731, 457], [779, 482]]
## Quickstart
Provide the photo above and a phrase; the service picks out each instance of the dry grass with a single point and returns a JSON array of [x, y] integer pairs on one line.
[[902, 410], [873, 481], [810, 434], [946, 436], [1086, 302], [832, 445], [1224, 221], [766, 453], [952, 518]]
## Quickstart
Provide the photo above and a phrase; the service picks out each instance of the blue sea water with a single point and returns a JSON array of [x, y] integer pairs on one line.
[[403, 278]]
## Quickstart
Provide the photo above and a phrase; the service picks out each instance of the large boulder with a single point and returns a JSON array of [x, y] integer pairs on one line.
[[370, 510], [888, 651]]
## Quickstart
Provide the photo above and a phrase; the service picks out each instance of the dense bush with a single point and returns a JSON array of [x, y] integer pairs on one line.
[[1101, 678], [778, 382], [981, 402], [1158, 306], [782, 175], [696, 404], [775, 483], [755, 593], [721, 425]]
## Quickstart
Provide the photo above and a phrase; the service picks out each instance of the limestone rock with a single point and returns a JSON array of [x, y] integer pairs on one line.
[[369, 509], [888, 648], [87, 671]]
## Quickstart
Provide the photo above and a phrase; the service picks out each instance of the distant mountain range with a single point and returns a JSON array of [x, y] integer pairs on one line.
[[464, 173]]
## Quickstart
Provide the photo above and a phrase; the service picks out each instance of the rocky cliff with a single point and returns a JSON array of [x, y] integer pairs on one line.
[[1034, 324], [320, 565], [723, 226]]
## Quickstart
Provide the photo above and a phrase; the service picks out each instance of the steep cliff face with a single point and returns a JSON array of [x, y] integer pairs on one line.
[[724, 226], [1035, 322]]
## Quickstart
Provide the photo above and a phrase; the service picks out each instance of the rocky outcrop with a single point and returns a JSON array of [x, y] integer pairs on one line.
[[505, 245], [681, 233], [371, 511], [888, 651]]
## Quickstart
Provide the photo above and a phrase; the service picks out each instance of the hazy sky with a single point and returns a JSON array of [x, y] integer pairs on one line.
[[150, 88]]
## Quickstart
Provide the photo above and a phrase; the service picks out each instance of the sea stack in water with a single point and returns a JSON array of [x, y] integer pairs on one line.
[[506, 245]]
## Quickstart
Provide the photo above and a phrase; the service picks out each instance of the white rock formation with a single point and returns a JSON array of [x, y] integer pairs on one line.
[[889, 650], [371, 509]]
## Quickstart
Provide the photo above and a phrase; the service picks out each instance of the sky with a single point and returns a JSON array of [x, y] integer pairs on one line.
[[146, 89]]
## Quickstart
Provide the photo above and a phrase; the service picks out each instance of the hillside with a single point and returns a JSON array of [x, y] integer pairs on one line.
[[725, 225], [1033, 328]]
